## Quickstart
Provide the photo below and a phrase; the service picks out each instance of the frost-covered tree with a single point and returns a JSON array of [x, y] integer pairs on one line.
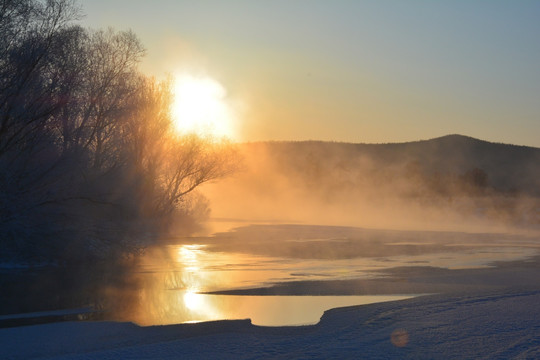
[[90, 168]]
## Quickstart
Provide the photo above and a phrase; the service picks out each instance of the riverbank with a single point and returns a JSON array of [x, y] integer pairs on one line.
[[496, 325], [484, 313]]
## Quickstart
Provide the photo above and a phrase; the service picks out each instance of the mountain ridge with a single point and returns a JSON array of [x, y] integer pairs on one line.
[[449, 137], [508, 167]]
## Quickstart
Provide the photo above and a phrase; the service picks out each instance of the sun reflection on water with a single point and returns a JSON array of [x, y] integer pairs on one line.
[[196, 305], [192, 300], [176, 278], [189, 254]]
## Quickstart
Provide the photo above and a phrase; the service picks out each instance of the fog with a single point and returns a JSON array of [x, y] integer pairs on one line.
[[451, 183], [320, 217]]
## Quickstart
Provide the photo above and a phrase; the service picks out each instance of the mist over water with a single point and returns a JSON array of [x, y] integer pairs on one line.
[[451, 183], [238, 273], [314, 214]]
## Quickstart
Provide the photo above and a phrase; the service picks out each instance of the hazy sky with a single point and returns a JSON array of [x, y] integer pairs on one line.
[[356, 71]]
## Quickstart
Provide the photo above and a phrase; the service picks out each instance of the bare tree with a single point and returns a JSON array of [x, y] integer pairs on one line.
[[31, 31], [172, 166], [89, 162]]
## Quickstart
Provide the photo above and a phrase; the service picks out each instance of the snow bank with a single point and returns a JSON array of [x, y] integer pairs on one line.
[[498, 325]]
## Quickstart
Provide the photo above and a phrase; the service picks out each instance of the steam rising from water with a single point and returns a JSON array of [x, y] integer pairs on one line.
[[178, 283], [418, 187], [337, 184]]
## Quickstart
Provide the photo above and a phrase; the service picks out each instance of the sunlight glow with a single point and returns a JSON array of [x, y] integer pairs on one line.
[[192, 300], [200, 106], [188, 255], [196, 304]]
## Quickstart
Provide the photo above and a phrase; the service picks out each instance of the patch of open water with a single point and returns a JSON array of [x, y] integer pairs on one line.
[[176, 276]]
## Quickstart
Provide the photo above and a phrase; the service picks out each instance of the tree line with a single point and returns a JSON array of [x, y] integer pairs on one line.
[[90, 167]]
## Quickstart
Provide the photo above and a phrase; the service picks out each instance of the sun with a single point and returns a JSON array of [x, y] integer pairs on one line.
[[200, 106]]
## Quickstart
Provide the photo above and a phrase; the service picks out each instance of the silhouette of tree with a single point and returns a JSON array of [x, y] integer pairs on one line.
[[89, 163], [30, 45]]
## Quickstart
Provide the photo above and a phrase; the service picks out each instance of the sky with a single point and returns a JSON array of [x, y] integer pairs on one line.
[[354, 71]]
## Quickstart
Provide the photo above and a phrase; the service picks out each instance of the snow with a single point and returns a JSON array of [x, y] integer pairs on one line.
[[498, 325], [38, 314]]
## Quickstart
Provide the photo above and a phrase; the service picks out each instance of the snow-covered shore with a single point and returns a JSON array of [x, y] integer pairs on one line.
[[484, 313], [499, 325]]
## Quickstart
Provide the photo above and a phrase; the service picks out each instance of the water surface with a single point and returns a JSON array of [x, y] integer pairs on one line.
[[176, 276]]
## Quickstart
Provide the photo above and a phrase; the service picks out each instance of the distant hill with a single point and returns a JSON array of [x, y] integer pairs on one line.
[[451, 182], [508, 168]]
